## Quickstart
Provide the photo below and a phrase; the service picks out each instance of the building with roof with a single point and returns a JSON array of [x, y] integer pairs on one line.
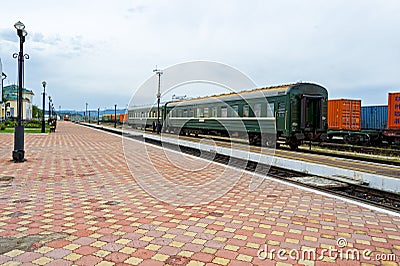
[[10, 101]]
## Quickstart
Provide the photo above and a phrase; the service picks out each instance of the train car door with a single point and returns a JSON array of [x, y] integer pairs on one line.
[[311, 112]]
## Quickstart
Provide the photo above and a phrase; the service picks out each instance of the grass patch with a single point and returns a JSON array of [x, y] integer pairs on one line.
[[26, 130]]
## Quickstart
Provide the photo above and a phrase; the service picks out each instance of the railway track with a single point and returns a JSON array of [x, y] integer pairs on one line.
[[358, 192], [345, 150]]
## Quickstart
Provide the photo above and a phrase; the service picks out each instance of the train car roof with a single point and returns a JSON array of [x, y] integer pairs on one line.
[[246, 94]]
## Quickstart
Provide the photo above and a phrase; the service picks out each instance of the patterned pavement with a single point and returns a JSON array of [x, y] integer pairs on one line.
[[75, 202]]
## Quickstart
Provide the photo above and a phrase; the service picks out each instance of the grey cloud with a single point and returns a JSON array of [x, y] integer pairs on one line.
[[8, 35], [136, 9]]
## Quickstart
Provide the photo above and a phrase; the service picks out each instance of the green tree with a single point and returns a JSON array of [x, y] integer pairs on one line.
[[36, 112]]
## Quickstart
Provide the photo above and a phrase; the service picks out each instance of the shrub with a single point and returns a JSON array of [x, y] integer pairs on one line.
[[2, 126], [9, 123], [34, 124]]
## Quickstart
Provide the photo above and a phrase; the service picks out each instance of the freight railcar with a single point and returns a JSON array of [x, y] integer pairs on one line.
[[345, 120], [291, 113], [392, 133]]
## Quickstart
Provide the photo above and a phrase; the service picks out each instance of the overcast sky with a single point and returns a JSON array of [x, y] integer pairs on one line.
[[100, 51]]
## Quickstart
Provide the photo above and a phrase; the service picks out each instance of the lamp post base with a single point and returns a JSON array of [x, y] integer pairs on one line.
[[18, 156], [18, 153]]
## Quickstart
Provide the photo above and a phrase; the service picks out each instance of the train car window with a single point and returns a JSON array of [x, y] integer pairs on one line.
[[235, 111], [191, 112], [179, 113], [224, 112], [270, 110], [246, 112], [214, 112], [257, 109], [185, 113], [200, 112], [205, 111]]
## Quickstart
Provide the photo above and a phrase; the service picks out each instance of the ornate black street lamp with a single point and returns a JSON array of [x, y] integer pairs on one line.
[[115, 116], [44, 100], [98, 116], [3, 77], [49, 108], [18, 153], [159, 73]]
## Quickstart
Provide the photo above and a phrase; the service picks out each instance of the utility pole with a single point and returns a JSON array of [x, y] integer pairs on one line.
[[159, 73]]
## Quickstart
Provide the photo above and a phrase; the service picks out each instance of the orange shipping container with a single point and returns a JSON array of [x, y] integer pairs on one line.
[[394, 111], [344, 114]]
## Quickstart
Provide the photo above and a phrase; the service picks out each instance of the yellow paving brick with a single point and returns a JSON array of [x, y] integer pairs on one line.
[[245, 258], [201, 224], [241, 237], [160, 257], [73, 256], [98, 244], [101, 253], [195, 263], [279, 263], [221, 261], [232, 247], [96, 235], [42, 260], [209, 231], [146, 238], [176, 244], [278, 233], [153, 247], [169, 236], [209, 250], [190, 234], [105, 263], [141, 231], [72, 246], [14, 253], [44, 249], [228, 229], [394, 237], [327, 236], [199, 241], [220, 239], [185, 253], [273, 242], [294, 231], [310, 238], [127, 250], [292, 240], [361, 241], [253, 245], [259, 235]]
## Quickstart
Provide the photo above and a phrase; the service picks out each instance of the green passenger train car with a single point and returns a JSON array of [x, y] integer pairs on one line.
[[291, 113]]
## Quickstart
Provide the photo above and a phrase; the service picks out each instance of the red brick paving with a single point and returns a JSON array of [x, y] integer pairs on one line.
[[77, 193]]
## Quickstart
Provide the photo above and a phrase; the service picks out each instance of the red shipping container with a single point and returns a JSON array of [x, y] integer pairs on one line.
[[123, 117], [394, 110], [344, 114]]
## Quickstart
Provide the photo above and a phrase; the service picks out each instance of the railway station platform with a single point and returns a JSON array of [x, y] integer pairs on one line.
[[76, 202]]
